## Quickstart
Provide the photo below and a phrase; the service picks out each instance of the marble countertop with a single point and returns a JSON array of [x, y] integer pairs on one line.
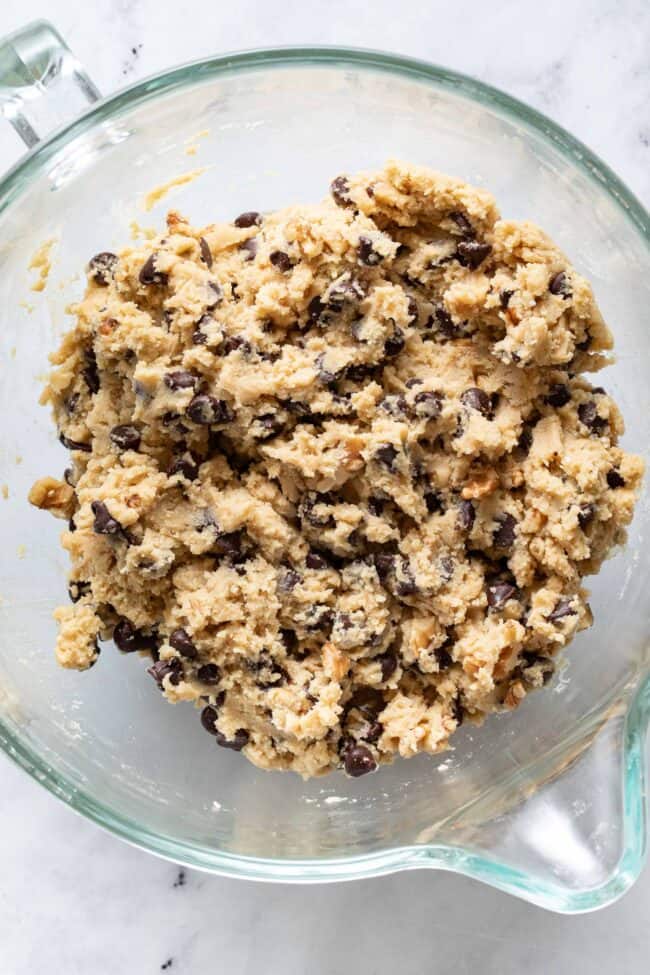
[[75, 900]]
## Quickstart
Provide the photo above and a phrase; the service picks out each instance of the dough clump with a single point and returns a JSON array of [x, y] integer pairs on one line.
[[337, 470]]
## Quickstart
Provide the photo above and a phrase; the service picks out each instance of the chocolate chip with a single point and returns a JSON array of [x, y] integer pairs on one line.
[[388, 663], [126, 637], [412, 310], [446, 568], [148, 273], [525, 440], [369, 700], [281, 260], [558, 395], [233, 342], [477, 399], [228, 545], [316, 310], [315, 561], [215, 295], [363, 371], [249, 247], [462, 223], [358, 760], [72, 402], [499, 593], [384, 563], [457, 712], [367, 254], [296, 407], [90, 372], [386, 455], [586, 515], [394, 405], [563, 608], [206, 253], [428, 404], [74, 444], [249, 219], [166, 668], [205, 519], [272, 673], [442, 323], [104, 523], [125, 436], [433, 502], [209, 717], [504, 297], [559, 285], [205, 410], [443, 657], [342, 621], [209, 674], [289, 639], [394, 345], [78, 588], [373, 731], [101, 267], [326, 375], [186, 466], [180, 640], [180, 379], [466, 515], [319, 617], [344, 289], [288, 581], [406, 586], [504, 535], [472, 253], [375, 506], [240, 739], [266, 426], [340, 188], [588, 414], [615, 479], [306, 511]]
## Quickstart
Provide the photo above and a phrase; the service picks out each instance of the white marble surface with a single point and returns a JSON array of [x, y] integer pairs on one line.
[[75, 900]]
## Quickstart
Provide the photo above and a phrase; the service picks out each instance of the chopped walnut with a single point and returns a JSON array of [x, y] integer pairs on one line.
[[514, 696], [335, 663], [481, 485], [53, 495]]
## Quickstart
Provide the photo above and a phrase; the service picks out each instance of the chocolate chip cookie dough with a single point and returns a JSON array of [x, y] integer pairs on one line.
[[337, 470]]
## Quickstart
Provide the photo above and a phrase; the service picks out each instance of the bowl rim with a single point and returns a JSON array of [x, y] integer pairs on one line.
[[439, 856]]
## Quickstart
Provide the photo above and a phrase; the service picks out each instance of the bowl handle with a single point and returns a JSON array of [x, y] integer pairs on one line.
[[42, 85]]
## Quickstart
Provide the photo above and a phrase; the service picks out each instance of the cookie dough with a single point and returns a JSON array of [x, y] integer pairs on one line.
[[336, 470]]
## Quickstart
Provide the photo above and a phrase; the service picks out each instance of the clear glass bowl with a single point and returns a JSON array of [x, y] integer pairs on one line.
[[547, 803]]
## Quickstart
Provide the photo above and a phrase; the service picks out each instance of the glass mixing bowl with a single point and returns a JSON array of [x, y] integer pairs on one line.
[[547, 803]]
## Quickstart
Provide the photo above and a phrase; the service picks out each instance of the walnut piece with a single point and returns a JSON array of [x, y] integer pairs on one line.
[[53, 495]]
